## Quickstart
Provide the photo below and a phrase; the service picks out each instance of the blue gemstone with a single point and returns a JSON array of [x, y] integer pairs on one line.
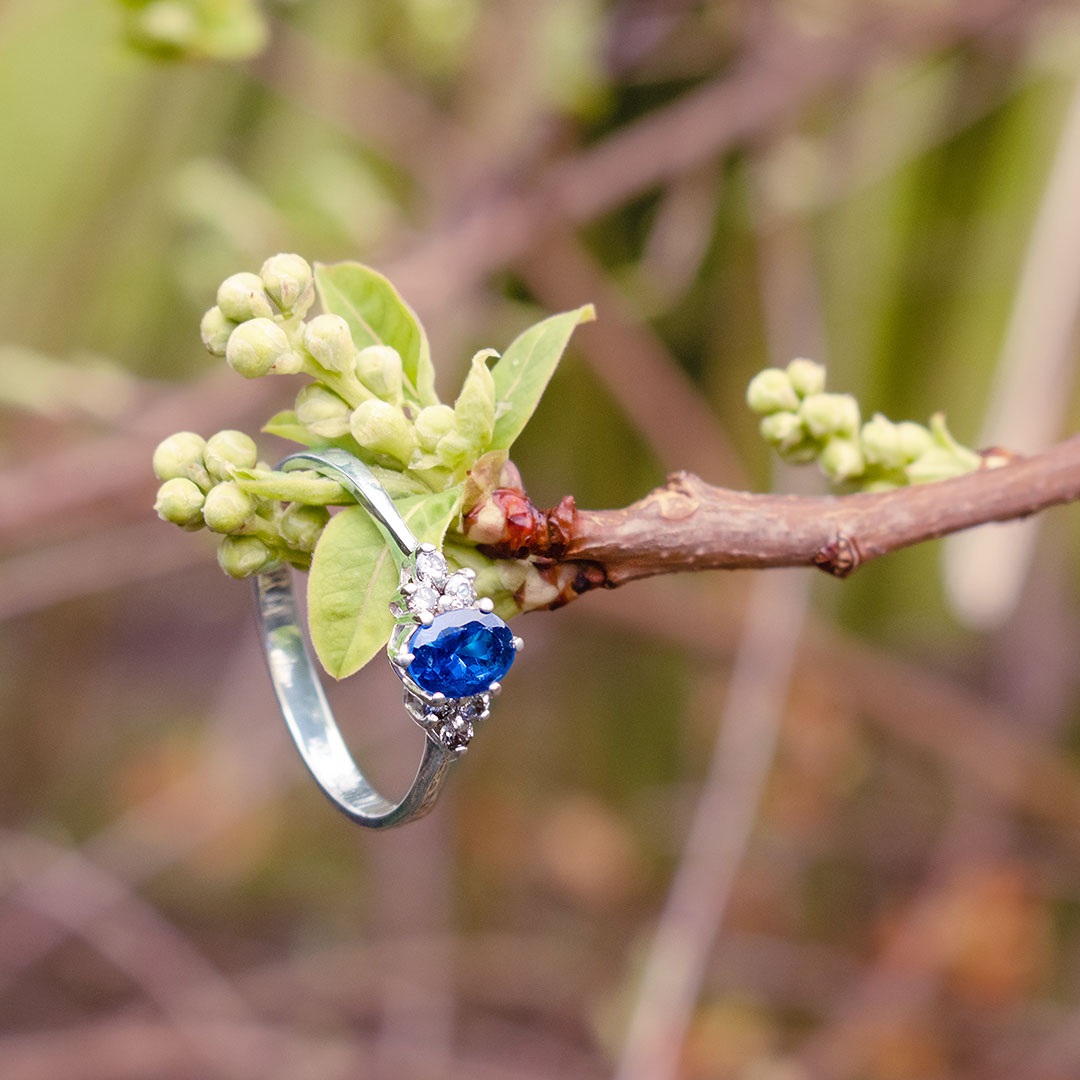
[[461, 653]]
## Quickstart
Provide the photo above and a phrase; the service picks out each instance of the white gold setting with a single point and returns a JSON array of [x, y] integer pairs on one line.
[[461, 652], [428, 588]]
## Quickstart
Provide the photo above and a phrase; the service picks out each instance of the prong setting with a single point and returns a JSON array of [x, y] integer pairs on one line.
[[431, 592]]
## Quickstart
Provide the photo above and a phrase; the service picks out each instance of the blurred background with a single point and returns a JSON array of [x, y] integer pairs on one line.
[[758, 827]]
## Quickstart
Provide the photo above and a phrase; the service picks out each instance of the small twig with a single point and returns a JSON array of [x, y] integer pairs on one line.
[[690, 525], [141, 942], [637, 369], [720, 831]]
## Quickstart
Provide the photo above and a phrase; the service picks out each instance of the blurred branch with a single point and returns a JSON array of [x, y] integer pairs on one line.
[[688, 524], [773, 82], [141, 942], [45, 494], [720, 830], [635, 365], [970, 736]]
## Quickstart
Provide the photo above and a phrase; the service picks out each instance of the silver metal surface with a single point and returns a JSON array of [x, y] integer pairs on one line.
[[357, 478], [296, 682]]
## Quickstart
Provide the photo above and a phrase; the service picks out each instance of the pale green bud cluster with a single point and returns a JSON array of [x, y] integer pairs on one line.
[[361, 398], [432, 423], [384, 429], [322, 412], [805, 423], [181, 29], [380, 369], [180, 501], [255, 347], [206, 484], [257, 319]]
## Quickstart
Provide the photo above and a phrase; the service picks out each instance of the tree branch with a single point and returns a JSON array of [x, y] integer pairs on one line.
[[690, 525]]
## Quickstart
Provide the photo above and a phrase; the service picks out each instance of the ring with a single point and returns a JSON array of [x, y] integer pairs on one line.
[[447, 646]]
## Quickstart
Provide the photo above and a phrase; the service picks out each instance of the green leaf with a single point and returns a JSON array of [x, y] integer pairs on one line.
[[474, 410], [354, 575], [522, 374], [285, 425], [377, 315]]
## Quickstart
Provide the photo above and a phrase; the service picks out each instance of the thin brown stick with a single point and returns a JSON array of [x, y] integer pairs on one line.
[[690, 525], [774, 83], [720, 830]]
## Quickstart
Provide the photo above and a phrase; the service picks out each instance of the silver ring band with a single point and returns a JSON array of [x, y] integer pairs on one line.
[[296, 682]]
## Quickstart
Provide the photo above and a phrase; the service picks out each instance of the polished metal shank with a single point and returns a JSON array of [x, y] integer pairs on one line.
[[296, 682], [360, 482]]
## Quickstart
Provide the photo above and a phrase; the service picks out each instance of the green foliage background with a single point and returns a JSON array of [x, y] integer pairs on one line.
[[875, 217]]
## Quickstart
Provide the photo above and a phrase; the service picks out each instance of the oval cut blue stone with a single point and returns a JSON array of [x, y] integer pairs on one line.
[[461, 653]]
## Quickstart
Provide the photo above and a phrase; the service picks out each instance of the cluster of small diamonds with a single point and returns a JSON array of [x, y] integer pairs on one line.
[[451, 722], [427, 589]]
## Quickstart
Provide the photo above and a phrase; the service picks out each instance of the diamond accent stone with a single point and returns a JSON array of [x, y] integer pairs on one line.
[[431, 567], [454, 728], [458, 592], [423, 598], [456, 734], [461, 653]]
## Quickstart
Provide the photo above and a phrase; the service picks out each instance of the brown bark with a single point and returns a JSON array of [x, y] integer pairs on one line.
[[688, 524]]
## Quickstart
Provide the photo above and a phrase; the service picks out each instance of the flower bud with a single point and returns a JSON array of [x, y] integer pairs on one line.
[[806, 377], [936, 463], [432, 423], [255, 346], [379, 369], [322, 412], [770, 391], [288, 363], [215, 329], [802, 452], [454, 449], [287, 280], [880, 441], [782, 430], [841, 458], [242, 297], [913, 439], [227, 507], [243, 556], [486, 522], [302, 525], [228, 450], [328, 339], [178, 454], [966, 458], [830, 414], [474, 410], [180, 501], [382, 427], [881, 484]]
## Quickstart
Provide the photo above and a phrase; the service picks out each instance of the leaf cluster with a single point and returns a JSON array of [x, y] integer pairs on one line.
[[372, 392]]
